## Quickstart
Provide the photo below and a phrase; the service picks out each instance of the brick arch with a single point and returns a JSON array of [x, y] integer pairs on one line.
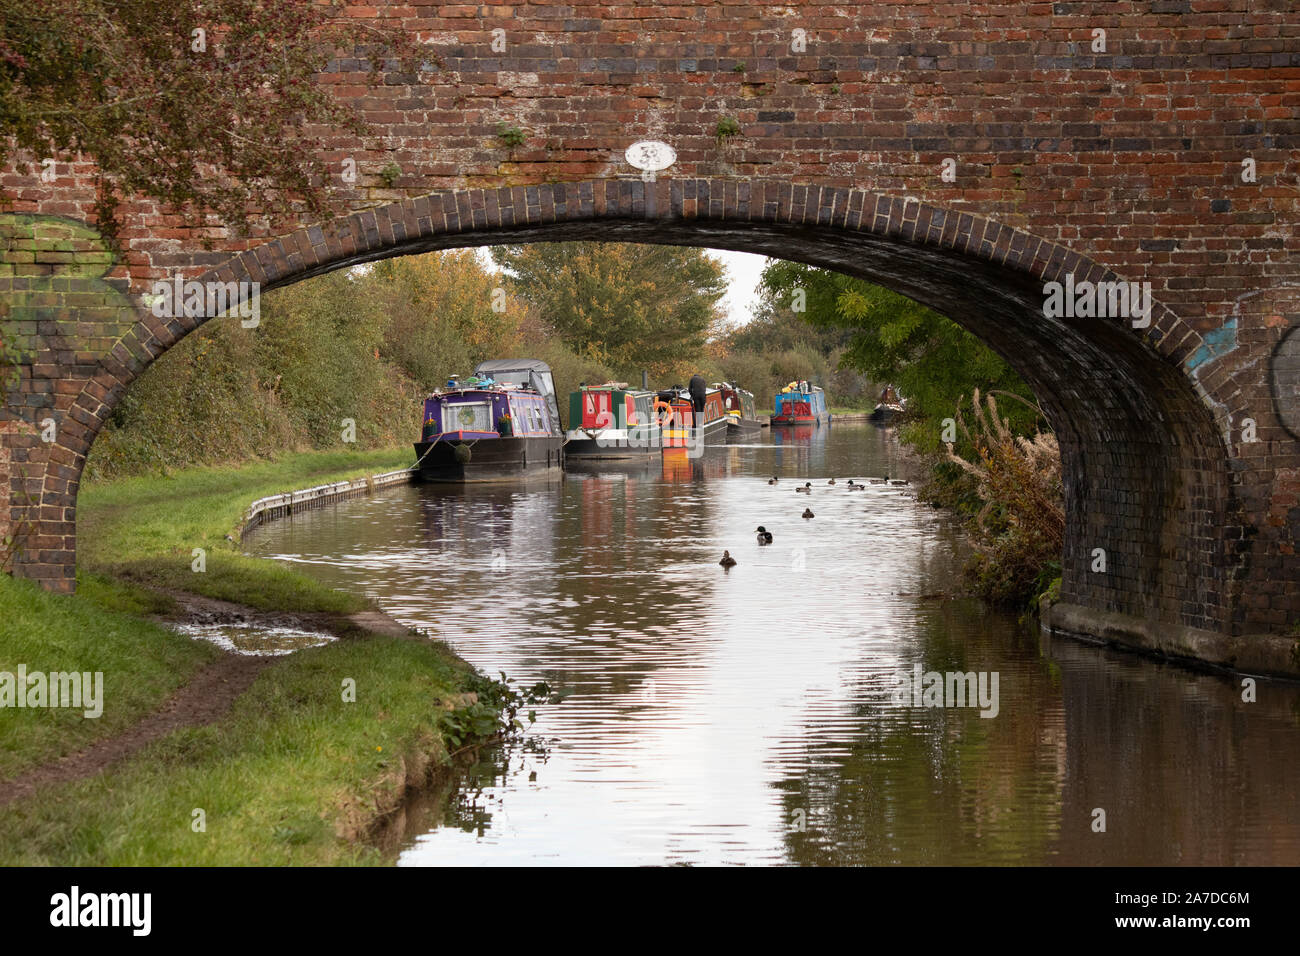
[[1142, 437]]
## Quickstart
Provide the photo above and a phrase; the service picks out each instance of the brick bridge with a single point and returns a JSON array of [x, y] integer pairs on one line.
[[1145, 141]]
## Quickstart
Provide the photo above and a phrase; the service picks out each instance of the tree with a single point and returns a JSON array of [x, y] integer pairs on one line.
[[777, 346], [776, 326], [209, 106], [447, 313], [629, 307], [933, 362]]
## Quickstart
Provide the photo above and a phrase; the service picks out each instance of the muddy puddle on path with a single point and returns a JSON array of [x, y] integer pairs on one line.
[[747, 715], [242, 630], [255, 639]]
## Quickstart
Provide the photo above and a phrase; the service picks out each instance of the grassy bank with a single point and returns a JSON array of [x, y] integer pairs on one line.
[[142, 664], [293, 772], [290, 776], [144, 529]]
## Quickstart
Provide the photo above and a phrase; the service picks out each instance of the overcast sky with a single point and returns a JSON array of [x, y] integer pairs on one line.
[[743, 272]]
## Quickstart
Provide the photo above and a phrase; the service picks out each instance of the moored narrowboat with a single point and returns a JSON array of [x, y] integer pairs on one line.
[[695, 416], [742, 420], [800, 403], [889, 408], [610, 421], [500, 422]]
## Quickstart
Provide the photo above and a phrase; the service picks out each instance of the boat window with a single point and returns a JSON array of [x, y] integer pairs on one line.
[[468, 417], [519, 378]]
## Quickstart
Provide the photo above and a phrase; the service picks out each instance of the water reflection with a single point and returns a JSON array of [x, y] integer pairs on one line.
[[746, 716]]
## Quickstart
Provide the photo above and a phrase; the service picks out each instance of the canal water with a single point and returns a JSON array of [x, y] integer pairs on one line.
[[752, 714]]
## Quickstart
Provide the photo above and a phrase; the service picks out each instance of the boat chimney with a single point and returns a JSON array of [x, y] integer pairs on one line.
[[645, 380]]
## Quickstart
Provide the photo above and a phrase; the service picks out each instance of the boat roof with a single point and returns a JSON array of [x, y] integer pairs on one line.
[[511, 365], [616, 387], [681, 391], [496, 388]]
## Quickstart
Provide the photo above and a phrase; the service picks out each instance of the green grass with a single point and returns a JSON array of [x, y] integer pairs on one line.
[[96, 630], [144, 530], [292, 773], [277, 780]]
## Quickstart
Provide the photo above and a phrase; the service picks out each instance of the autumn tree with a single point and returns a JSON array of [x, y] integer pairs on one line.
[[629, 307], [446, 313], [208, 106]]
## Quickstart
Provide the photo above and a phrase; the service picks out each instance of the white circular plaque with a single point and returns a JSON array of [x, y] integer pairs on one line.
[[650, 155]]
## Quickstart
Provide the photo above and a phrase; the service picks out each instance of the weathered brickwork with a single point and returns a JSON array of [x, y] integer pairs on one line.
[[1123, 163]]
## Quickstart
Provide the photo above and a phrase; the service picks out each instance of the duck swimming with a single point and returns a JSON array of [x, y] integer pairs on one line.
[[806, 489], [832, 481], [854, 486], [764, 536], [727, 560], [898, 481], [807, 513], [773, 481], [879, 481]]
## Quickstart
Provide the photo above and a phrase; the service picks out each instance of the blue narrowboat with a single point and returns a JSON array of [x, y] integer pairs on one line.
[[500, 422], [800, 403]]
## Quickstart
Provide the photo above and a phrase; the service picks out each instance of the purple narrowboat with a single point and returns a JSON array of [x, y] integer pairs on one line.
[[501, 422]]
